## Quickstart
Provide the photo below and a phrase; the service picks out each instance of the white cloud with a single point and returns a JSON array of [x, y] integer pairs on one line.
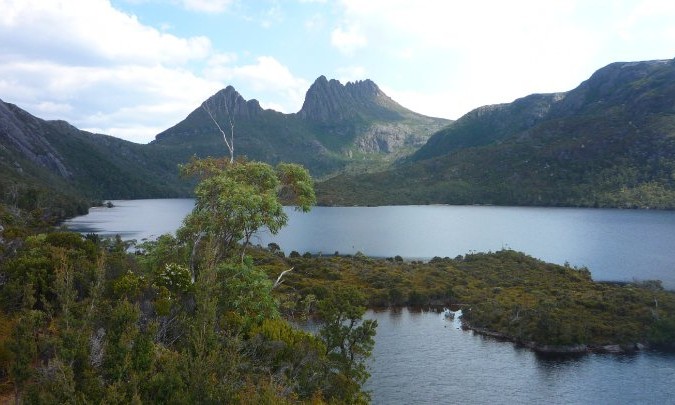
[[98, 68], [267, 77], [103, 70], [470, 53], [51, 108], [351, 73], [467, 54], [315, 23], [133, 98], [207, 6], [348, 40], [89, 32]]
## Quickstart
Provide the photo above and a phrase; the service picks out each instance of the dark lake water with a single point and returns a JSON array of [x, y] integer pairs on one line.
[[423, 358], [617, 245]]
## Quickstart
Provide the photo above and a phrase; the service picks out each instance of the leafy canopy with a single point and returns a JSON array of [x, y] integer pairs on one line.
[[234, 200]]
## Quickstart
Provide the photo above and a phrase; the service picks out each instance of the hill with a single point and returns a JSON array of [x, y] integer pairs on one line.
[[608, 143]]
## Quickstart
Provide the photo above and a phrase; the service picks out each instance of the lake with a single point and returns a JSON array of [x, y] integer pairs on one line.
[[616, 245], [422, 357]]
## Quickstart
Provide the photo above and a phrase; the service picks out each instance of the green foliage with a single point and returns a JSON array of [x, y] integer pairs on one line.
[[83, 320], [297, 358], [245, 295], [37, 262], [504, 292], [23, 348], [159, 253], [349, 341], [175, 278], [234, 200], [128, 285], [662, 333]]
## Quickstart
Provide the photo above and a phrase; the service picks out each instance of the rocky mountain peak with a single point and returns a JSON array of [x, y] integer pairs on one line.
[[330, 101], [229, 101]]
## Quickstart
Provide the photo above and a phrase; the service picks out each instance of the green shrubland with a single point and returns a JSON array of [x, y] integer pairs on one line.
[[186, 319]]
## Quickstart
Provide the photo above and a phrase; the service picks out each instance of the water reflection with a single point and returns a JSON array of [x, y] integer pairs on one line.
[[419, 357]]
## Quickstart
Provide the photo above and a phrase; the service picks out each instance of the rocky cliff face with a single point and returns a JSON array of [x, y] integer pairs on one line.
[[230, 101], [335, 122], [23, 135], [331, 101], [364, 118]]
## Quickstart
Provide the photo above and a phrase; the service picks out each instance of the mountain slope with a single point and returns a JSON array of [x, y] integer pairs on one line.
[[609, 142], [42, 162], [264, 135], [338, 127]]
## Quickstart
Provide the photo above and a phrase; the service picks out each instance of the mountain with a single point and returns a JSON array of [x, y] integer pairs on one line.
[[339, 127], [359, 115], [51, 164], [259, 134], [609, 142]]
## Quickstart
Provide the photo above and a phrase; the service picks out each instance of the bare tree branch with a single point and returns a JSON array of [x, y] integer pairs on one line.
[[279, 279], [230, 143]]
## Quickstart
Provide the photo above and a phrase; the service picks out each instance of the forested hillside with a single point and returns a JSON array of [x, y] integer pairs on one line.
[[608, 143], [53, 166]]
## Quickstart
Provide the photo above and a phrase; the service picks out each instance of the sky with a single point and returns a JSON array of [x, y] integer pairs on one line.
[[133, 68]]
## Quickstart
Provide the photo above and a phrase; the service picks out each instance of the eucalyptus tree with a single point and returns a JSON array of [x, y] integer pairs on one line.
[[349, 341], [236, 199]]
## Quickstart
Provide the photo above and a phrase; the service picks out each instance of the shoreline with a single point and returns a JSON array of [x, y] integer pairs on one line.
[[538, 348], [547, 349]]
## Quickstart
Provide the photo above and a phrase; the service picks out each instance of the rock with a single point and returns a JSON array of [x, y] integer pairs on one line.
[[330, 101], [229, 100], [561, 349], [611, 349], [375, 122]]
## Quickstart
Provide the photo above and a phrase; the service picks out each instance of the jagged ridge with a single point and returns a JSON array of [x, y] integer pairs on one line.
[[336, 121]]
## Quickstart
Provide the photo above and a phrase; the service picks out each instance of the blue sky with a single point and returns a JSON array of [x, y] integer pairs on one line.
[[132, 68]]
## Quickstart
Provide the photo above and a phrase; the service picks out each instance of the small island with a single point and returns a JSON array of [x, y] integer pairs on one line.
[[506, 294]]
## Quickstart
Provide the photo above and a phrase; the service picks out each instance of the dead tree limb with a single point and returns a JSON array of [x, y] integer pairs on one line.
[[230, 143], [279, 279]]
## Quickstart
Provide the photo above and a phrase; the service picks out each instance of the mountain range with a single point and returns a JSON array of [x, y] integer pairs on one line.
[[610, 142], [340, 128]]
